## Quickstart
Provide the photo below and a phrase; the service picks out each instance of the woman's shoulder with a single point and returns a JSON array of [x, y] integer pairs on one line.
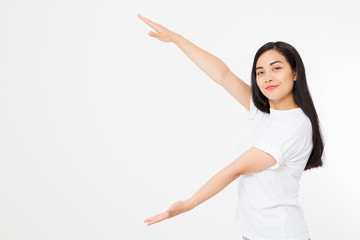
[[296, 122], [302, 125], [304, 120]]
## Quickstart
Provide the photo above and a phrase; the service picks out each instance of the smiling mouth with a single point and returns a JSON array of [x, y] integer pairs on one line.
[[271, 87]]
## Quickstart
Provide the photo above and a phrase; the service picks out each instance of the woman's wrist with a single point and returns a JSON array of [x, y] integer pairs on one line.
[[190, 204], [176, 38]]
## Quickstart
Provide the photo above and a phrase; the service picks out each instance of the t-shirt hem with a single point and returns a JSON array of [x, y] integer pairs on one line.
[[252, 236]]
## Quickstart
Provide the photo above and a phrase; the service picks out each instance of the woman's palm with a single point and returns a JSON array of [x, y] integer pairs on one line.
[[175, 209]]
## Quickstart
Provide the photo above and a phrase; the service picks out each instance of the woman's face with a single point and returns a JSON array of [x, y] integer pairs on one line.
[[272, 69]]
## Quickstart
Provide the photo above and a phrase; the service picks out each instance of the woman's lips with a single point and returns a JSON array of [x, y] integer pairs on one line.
[[271, 87]]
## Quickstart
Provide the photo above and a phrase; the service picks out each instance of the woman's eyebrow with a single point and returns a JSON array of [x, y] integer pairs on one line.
[[270, 64]]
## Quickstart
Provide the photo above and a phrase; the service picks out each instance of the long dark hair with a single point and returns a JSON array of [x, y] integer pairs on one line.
[[300, 92]]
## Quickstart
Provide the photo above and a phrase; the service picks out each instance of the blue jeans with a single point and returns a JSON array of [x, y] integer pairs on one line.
[[244, 238]]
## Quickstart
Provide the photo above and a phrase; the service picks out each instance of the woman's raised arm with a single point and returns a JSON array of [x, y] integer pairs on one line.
[[211, 65], [208, 63]]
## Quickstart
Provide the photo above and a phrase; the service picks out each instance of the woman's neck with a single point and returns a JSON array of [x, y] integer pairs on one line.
[[284, 104]]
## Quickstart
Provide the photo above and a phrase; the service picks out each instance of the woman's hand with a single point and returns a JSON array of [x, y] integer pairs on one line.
[[175, 209], [162, 33]]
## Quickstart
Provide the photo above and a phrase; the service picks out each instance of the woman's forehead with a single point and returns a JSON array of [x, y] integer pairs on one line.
[[269, 57]]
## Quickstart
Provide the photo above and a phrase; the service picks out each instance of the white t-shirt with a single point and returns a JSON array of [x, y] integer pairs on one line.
[[268, 207]]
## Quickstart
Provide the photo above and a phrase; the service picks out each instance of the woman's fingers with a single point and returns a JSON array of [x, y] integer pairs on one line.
[[152, 24], [152, 34], [162, 33], [157, 218]]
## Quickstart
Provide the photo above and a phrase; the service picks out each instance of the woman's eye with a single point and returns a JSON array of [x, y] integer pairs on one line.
[[277, 68]]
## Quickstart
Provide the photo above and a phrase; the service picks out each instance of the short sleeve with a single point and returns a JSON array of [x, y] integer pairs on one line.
[[281, 143]]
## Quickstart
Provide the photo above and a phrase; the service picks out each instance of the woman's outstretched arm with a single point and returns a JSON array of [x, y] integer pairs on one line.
[[210, 64], [253, 160], [216, 69]]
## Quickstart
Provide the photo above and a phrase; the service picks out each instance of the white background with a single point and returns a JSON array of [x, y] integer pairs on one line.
[[102, 126]]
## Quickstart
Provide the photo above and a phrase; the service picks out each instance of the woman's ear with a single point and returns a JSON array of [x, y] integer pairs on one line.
[[294, 75]]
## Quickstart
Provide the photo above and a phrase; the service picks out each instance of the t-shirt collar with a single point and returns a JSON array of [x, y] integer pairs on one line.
[[274, 112]]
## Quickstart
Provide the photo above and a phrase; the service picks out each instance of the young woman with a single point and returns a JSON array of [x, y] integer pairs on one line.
[[285, 140]]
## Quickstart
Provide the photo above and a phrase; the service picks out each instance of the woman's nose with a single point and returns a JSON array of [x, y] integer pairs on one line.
[[268, 76], [268, 79]]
